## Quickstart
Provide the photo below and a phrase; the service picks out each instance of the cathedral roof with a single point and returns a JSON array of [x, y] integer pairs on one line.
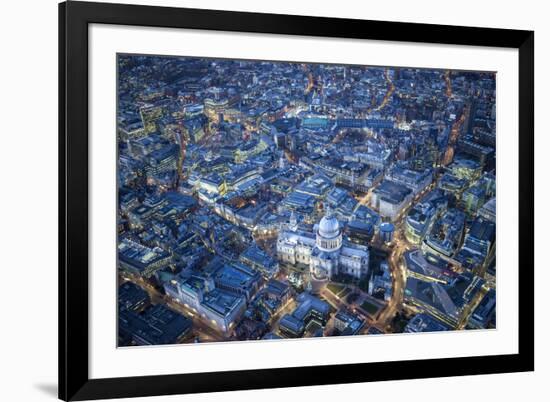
[[329, 226]]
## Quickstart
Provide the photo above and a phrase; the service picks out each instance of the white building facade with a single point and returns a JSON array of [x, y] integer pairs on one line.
[[324, 252]]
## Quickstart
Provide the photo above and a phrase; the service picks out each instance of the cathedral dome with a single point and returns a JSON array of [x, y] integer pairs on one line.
[[329, 226]]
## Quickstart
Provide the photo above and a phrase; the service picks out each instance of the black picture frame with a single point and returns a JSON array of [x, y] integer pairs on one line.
[[74, 18]]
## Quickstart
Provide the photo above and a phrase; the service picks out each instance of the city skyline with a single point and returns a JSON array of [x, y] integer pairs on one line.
[[277, 200]]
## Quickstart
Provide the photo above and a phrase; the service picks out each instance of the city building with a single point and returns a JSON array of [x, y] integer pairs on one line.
[[452, 184], [473, 199], [347, 323], [133, 298], [157, 325], [360, 232], [381, 284], [141, 260], [428, 267], [465, 169], [434, 299], [213, 183], [425, 323], [485, 311], [478, 151], [390, 199], [260, 261], [324, 253], [488, 210], [219, 308], [478, 244], [386, 232], [416, 181], [422, 215], [310, 309], [446, 234], [238, 278]]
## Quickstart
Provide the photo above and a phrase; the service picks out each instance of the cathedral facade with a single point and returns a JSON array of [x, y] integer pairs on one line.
[[324, 251]]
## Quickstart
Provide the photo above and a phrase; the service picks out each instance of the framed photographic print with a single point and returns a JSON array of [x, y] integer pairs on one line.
[[258, 201]]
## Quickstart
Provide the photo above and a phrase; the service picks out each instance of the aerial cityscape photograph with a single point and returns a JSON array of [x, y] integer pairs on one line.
[[272, 200]]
